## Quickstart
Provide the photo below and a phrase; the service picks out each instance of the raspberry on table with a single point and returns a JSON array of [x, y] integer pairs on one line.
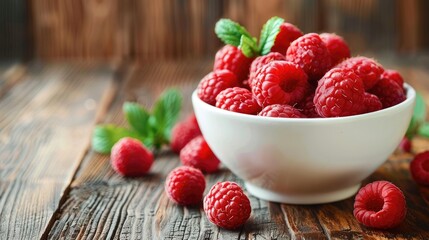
[[405, 146], [213, 83], [380, 205], [310, 53], [280, 82], [231, 58], [419, 168], [130, 158], [287, 34], [371, 103], [393, 75], [281, 111], [389, 92], [227, 206], [307, 107], [185, 185], [339, 93], [183, 132], [366, 68], [198, 154], [337, 47], [260, 61], [238, 100]]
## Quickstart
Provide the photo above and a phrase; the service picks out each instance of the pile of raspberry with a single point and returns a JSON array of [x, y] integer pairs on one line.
[[304, 76]]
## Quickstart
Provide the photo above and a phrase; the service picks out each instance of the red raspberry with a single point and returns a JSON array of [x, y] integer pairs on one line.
[[281, 111], [213, 83], [371, 103], [393, 75], [280, 82], [307, 107], [183, 132], [198, 154], [130, 158], [419, 168], [261, 61], [185, 185], [380, 205], [337, 47], [405, 145], [287, 34], [311, 54], [231, 58], [389, 92], [226, 205], [339, 93], [366, 68], [238, 100]]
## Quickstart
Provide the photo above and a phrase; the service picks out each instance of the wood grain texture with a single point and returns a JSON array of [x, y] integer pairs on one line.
[[45, 122], [103, 205]]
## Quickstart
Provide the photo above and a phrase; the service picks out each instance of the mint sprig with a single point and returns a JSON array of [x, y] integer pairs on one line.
[[230, 32], [153, 128], [248, 46], [269, 32], [418, 117]]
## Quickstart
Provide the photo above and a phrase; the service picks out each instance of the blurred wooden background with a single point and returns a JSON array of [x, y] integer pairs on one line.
[[177, 29]]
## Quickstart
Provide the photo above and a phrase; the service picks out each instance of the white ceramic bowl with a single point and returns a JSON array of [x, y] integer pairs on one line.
[[303, 161]]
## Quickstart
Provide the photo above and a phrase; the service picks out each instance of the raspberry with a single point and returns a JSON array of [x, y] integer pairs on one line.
[[238, 100], [213, 83], [371, 103], [366, 68], [130, 158], [287, 34], [198, 154], [389, 92], [419, 168], [281, 111], [231, 58], [185, 185], [183, 132], [380, 205], [307, 107], [405, 145], [261, 61], [279, 82], [339, 93], [337, 47], [393, 75], [226, 205], [311, 54]]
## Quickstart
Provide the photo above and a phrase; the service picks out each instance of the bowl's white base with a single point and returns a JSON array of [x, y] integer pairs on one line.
[[316, 198]]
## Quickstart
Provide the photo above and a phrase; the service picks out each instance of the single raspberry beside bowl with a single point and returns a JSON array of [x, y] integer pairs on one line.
[[281, 111], [337, 47], [231, 58], [339, 93], [310, 53], [185, 185], [238, 100], [366, 68], [213, 83], [198, 154], [261, 61], [371, 103], [280, 82], [380, 205], [130, 158], [227, 206], [419, 168], [389, 92], [183, 132], [287, 34], [393, 75]]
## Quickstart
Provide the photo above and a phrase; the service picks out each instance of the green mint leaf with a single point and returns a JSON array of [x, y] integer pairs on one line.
[[230, 32], [418, 118], [269, 33], [424, 130], [248, 46], [165, 113], [105, 136], [137, 117]]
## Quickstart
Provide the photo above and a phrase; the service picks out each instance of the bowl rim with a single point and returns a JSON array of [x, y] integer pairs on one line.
[[410, 94]]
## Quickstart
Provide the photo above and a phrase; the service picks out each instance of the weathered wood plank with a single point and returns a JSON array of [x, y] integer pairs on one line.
[[45, 122]]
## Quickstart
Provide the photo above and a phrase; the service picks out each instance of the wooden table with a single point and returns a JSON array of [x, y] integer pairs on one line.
[[54, 186]]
